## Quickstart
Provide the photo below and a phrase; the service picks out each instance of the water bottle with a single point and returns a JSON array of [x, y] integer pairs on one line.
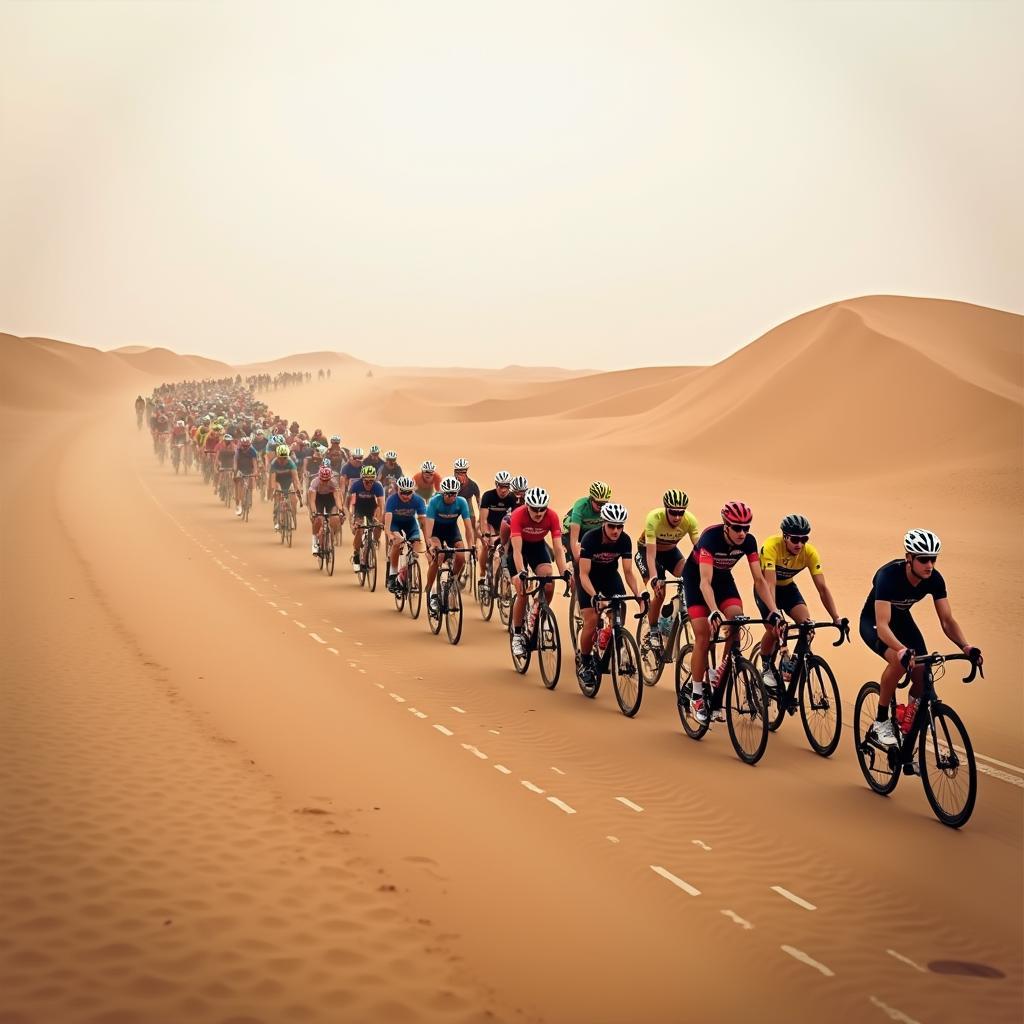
[[534, 612], [604, 637], [787, 665], [665, 622], [908, 716]]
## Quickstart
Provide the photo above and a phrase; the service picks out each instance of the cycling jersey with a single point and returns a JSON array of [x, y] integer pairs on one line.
[[446, 517], [260, 444], [776, 558], [179, 435], [470, 490], [583, 514], [604, 554], [425, 488], [350, 473], [387, 473], [531, 531], [890, 584], [245, 459], [318, 486], [405, 514], [714, 548], [496, 506], [366, 500], [657, 529], [282, 469], [226, 455]]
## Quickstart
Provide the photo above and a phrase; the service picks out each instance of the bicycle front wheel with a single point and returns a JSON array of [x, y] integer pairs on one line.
[[821, 710], [486, 597], [453, 612], [289, 527], [549, 648], [746, 711], [575, 620], [692, 726], [371, 565], [415, 590], [505, 596], [652, 661], [330, 554], [947, 765], [879, 766], [436, 613], [627, 676]]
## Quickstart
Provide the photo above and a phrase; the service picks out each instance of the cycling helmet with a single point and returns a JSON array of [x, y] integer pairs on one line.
[[921, 542], [795, 524], [391, 455], [245, 442], [327, 463], [180, 423], [357, 453], [503, 478], [335, 438], [520, 483], [282, 451], [428, 467], [600, 491], [375, 449], [368, 472], [736, 513], [259, 431], [680, 499], [324, 472], [449, 485], [228, 437], [537, 497], [461, 464], [405, 484], [613, 512]]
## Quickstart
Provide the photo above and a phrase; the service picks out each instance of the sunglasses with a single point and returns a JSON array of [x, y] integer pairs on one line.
[[738, 529], [501, 487], [930, 559], [614, 526], [676, 511], [405, 494], [797, 539]]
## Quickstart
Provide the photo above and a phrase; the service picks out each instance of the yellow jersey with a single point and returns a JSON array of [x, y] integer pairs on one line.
[[657, 529], [776, 557]]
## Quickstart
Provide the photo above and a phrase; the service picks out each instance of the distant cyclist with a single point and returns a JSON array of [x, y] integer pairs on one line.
[[493, 506], [365, 501], [405, 517], [584, 516], [324, 497], [887, 627]]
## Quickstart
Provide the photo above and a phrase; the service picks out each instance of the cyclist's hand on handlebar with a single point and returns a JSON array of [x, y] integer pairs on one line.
[[974, 653], [775, 619], [715, 619], [645, 597], [567, 575], [906, 657], [523, 576], [657, 585]]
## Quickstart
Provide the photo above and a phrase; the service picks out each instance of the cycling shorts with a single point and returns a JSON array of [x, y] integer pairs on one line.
[[408, 532], [723, 586], [607, 584], [903, 626], [326, 503], [786, 599], [535, 554], [664, 562], [449, 538]]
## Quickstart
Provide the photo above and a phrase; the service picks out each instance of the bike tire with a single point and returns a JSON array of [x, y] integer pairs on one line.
[[523, 663], [693, 728], [371, 565], [821, 709], [937, 742], [879, 767], [330, 554], [415, 598], [504, 597], [432, 620], [453, 612], [627, 673], [746, 711], [652, 662], [549, 648], [777, 701], [289, 527], [575, 620], [487, 601]]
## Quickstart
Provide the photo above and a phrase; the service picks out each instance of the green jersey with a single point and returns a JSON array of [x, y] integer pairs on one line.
[[582, 513]]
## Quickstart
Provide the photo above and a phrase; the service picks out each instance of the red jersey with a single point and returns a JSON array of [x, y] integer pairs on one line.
[[531, 531]]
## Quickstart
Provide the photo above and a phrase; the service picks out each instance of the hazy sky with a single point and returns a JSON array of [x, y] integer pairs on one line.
[[586, 183]]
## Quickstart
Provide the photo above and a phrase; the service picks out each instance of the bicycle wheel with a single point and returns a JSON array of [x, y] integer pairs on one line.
[[575, 621], [821, 710], [693, 728], [776, 697], [950, 777], [652, 660], [321, 552], [746, 711], [627, 675], [434, 618], [505, 596], [879, 766], [521, 664], [371, 564], [361, 555], [330, 553], [486, 597], [415, 590], [549, 648], [289, 526], [453, 612]]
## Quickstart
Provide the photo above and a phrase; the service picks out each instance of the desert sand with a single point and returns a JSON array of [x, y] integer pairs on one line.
[[237, 790]]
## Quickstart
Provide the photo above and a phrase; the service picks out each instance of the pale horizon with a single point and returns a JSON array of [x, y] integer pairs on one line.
[[573, 185]]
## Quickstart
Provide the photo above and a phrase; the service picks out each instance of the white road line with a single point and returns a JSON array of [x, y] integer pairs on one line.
[[336, 630], [793, 898], [442, 729], [281, 611], [701, 844], [626, 802], [675, 880], [799, 954], [418, 714], [353, 664], [561, 805], [380, 686], [363, 670], [299, 603], [559, 770], [317, 638], [742, 922], [494, 731], [501, 768], [475, 751], [395, 696], [273, 604], [1003, 776], [992, 760], [891, 1012], [906, 960], [613, 839], [301, 625], [358, 643], [333, 650], [454, 707], [531, 787]]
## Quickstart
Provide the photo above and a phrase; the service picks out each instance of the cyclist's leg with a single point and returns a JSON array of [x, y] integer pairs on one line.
[[589, 622], [770, 639]]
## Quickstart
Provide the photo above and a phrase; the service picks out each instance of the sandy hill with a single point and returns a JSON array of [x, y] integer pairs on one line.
[[302, 361]]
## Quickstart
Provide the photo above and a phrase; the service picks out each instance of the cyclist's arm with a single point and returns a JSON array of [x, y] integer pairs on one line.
[[883, 616], [706, 589], [652, 557], [423, 524], [379, 516], [767, 593], [517, 552], [387, 525], [559, 550], [574, 539], [428, 530], [482, 525], [949, 625], [297, 485], [629, 571], [583, 566], [470, 530], [826, 596]]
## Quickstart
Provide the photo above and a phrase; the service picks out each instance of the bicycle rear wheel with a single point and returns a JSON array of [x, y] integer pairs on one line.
[[950, 777], [453, 611], [434, 617], [415, 583], [575, 620], [549, 648], [289, 526], [504, 596], [746, 711], [652, 659], [371, 564], [821, 710], [330, 552], [879, 766], [627, 676], [692, 726], [486, 597]]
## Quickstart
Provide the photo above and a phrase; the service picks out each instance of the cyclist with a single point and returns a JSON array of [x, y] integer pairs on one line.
[[179, 438], [282, 475], [365, 500], [468, 489], [584, 516], [597, 574], [658, 546], [887, 627], [351, 470], [519, 486], [405, 518], [442, 530], [323, 497], [782, 558], [711, 593], [259, 442], [225, 459], [373, 458], [245, 468], [493, 506], [426, 481], [337, 455], [389, 472], [529, 525], [140, 408]]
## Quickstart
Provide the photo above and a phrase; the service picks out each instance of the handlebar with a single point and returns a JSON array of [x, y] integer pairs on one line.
[[937, 659], [804, 627], [542, 581], [623, 598]]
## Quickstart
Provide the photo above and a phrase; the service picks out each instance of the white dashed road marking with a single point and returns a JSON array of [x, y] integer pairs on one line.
[[559, 770], [793, 898], [301, 625], [561, 805], [458, 709], [442, 729], [612, 839], [475, 751], [742, 922], [317, 638], [906, 960], [675, 880], [395, 696], [626, 802], [799, 954], [531, 787], [333, 650], [701, 844], [501, 768], [891, 1012]]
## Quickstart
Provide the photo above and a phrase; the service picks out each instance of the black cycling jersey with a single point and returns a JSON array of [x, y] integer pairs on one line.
[[890, 584], [496, 506]]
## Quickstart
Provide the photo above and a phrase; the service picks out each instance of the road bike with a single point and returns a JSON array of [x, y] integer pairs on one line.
[[658, 649], [246, 502], [367, 551], [177, 457], [944, 756], [325, 541], [738, 686], [540, 631], [284, 517], [408, 590], [487, 584], [811, 687], [447, 603], [616, 651]]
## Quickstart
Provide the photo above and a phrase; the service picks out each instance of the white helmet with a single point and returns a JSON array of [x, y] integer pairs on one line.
[[537, 497], [357, 453], [180, 423], [520, 483], [613, 512], [405, 483], [461, 464], [503, 478], [391, 455], [428, 467], [921, 542], [449, 485], [335, 438]]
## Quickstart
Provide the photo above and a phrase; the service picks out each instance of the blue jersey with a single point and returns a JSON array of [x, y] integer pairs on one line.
[[404, 514], [446, 517], [366, 500]]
